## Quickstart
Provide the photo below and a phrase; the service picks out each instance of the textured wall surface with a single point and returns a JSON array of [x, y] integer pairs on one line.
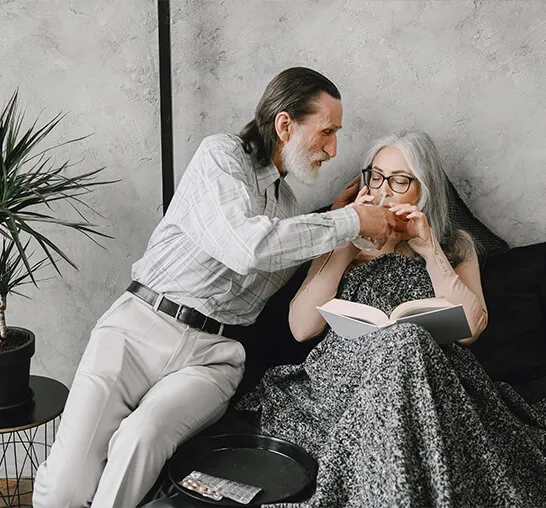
[[97, 62], [470, 73]]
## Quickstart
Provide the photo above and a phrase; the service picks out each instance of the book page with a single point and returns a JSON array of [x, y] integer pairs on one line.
[[346, 326], [356, 310], [415, 307], [445, 324]]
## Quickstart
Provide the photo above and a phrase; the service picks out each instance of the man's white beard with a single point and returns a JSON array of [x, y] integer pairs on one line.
[[298, 161]]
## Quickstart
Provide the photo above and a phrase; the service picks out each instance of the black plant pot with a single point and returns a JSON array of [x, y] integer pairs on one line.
[[15, 371]]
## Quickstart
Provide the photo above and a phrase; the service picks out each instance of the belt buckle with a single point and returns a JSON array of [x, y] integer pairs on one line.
[[158, 301], [178, 312]]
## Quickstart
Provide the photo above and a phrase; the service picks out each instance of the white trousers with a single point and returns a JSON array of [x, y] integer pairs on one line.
[[145, 384]]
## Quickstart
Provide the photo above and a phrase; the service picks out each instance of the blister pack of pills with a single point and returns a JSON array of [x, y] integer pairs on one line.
[[194, 482], [213, 486]]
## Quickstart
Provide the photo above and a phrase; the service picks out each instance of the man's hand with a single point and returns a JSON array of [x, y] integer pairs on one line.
[[377, 223], [347, 195]]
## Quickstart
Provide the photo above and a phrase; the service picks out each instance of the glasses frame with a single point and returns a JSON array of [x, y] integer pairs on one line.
[[388, 178]]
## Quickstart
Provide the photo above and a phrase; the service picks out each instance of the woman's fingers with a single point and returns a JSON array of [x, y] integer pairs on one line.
[[407, 212], [363, 197], [364, 200], [416, 221], [415, 215], [362, 192], [402, 211], [401, 208]]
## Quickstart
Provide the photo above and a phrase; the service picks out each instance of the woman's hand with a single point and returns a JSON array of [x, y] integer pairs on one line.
[[417, 226], [363, 198], [347, 195]]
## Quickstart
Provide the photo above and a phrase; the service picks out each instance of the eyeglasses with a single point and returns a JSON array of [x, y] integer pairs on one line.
[[398, 183]]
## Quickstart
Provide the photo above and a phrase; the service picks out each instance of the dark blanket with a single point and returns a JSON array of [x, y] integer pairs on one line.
[[395, 420]]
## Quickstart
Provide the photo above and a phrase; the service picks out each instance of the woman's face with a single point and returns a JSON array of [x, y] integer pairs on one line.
[[389, 161]]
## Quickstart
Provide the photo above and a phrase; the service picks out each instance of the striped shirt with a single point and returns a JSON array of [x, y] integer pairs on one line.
[[232, 235]]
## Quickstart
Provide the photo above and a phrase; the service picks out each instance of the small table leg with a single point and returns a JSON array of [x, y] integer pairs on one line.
[[21, 454]]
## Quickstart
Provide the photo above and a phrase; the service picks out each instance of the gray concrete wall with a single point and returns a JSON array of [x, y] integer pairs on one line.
[[470, 73], [96, 61]]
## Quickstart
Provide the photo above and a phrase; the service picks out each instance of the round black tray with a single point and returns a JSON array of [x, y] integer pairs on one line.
[[281, 469]]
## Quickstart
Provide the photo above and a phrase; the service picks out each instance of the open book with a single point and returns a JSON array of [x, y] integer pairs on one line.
[[443, 320]]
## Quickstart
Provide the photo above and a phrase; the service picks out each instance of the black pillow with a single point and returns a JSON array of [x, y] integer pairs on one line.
[[513, 346], [487, 242], [269, 341]]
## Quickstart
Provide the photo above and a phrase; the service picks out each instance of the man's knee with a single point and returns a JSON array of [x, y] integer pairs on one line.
[[143, 437]]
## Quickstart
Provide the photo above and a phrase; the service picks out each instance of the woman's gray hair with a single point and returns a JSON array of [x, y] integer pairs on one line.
[[424, 161]]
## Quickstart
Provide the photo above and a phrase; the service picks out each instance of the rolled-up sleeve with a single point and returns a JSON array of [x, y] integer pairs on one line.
[[220, 221]]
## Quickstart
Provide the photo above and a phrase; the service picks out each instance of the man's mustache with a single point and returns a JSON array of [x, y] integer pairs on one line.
[[322, 157]]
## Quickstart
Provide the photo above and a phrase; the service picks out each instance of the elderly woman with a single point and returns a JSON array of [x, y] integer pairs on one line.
[[392, 418]]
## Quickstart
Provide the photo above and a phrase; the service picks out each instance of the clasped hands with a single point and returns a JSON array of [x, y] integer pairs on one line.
[[404, 221]]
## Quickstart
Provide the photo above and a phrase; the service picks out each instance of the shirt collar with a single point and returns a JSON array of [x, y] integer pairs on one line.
[[266, 176]]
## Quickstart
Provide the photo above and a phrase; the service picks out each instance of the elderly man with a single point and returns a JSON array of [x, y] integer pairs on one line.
[[160, 365]]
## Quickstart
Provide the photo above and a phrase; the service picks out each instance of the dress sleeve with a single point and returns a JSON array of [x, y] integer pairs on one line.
[[459, 285]]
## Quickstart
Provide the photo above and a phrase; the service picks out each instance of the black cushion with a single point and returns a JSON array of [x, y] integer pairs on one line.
[[270, 338], [513, 346], [269, 341], [487, 242]]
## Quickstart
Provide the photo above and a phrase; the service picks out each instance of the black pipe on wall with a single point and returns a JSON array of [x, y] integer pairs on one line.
[[165, 99]]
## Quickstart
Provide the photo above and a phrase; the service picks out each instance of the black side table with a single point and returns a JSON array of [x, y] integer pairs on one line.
[[18, 433]]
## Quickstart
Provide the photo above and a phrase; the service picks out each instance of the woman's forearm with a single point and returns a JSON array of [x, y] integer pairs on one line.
[[461, 285], [319, 287]]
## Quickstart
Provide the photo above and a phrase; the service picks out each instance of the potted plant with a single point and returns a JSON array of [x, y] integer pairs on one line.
[[31, 184]]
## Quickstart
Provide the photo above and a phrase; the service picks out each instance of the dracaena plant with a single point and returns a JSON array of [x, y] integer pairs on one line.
[[31, 181]]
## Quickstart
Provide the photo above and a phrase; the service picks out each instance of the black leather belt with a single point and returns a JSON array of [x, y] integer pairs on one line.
[[181, 313]]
